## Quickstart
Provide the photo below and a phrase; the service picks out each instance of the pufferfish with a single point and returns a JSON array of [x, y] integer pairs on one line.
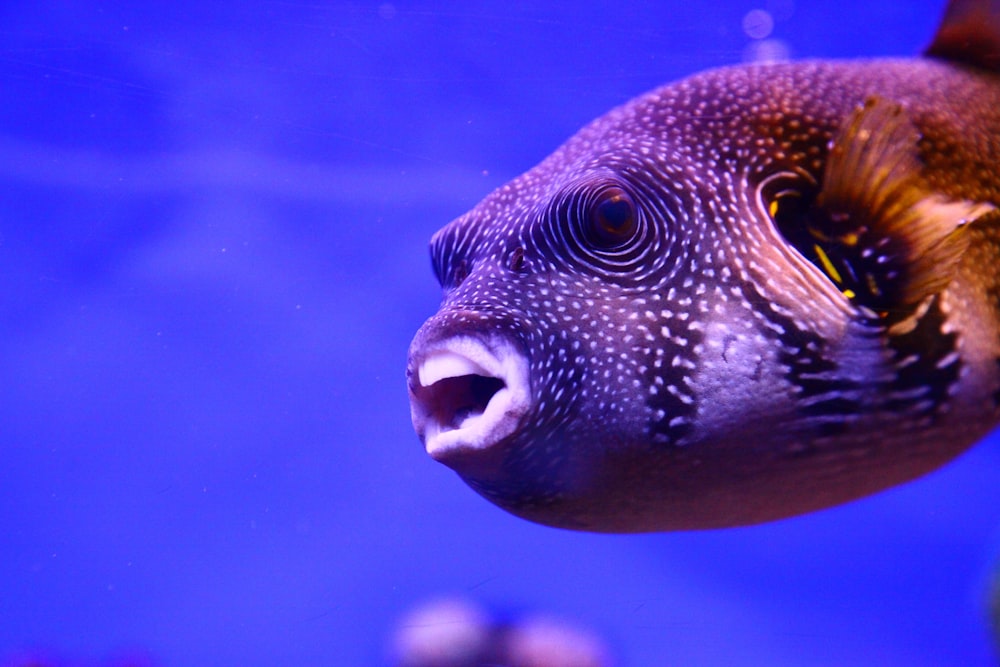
[[757, 292]]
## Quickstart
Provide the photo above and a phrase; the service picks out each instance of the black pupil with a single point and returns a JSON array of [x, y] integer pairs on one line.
[[614, 217]]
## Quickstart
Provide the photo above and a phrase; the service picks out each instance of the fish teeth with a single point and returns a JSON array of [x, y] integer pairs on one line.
[[447, 364]]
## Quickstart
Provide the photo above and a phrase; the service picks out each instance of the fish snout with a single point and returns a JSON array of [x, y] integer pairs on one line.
[[469, 392]]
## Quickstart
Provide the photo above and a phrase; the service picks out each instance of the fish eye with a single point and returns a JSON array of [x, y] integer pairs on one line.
[[613, 218]]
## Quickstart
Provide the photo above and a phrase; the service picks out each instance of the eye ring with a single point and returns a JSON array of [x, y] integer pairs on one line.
[[612, 218], [612, 225]]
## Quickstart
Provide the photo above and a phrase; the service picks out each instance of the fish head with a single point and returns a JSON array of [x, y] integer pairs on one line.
[[560, 376]]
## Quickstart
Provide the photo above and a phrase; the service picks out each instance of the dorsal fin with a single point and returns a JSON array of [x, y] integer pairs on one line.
[[969, 33]]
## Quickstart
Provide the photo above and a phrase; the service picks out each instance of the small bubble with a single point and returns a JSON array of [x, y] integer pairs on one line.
[[758, 24], [387, 10]]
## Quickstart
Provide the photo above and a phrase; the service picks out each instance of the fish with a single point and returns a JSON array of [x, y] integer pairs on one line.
[[754, 293]]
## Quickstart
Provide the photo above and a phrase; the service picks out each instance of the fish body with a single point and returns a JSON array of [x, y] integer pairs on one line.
[[757, 292]]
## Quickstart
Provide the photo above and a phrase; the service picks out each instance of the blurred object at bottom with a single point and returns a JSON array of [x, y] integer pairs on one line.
[[454, 632]]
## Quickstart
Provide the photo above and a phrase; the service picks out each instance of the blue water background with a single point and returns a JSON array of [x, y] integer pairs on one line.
[[213, 229]]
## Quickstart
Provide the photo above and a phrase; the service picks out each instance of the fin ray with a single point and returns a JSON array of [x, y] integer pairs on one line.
[[884, 225]]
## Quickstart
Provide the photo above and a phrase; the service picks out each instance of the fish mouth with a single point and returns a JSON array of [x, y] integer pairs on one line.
[[467, 395]]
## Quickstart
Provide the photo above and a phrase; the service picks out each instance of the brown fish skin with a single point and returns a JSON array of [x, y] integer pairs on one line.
[[707, 371]]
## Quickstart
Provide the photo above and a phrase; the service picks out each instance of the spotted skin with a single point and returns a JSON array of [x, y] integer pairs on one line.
[[708, 373]]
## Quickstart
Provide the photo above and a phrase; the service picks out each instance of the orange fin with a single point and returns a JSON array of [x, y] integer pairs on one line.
[[890, 239]]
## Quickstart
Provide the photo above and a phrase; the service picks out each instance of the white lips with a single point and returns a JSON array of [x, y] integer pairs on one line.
[[471, 394]]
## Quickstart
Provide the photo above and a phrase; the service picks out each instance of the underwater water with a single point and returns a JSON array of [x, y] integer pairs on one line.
[[213, 254]]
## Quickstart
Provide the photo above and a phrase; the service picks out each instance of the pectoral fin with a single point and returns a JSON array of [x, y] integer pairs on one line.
[[878, 230]]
